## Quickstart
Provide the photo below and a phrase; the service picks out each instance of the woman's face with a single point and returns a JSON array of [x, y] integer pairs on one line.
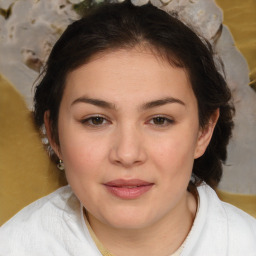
[[129, 133]]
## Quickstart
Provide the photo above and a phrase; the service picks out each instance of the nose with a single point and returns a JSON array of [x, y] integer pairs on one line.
[[127, 148]]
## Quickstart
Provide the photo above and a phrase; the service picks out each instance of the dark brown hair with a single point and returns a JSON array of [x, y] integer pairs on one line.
[[117, 26]]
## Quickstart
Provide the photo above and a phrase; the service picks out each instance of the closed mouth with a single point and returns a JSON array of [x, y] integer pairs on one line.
[[128, 189]]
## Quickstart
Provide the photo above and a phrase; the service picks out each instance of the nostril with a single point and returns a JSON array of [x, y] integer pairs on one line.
[[127, 148]]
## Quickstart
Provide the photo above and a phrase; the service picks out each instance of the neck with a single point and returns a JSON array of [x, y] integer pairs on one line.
[[170, 232]]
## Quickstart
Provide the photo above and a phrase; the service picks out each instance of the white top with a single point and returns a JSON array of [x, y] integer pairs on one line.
[[54, 225]]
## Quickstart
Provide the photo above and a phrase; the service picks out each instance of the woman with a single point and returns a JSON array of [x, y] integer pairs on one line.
[[139, 117]]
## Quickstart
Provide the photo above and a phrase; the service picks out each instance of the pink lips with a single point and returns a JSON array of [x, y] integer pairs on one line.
[[128, 189]]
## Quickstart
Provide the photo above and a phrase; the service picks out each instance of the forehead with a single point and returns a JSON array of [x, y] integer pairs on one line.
[[128, 74]]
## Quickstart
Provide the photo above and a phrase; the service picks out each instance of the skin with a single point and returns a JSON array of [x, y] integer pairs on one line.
[[132, 87]]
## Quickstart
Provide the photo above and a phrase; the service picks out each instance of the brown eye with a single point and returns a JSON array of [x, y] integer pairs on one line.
[[161, 121], [95, 121]]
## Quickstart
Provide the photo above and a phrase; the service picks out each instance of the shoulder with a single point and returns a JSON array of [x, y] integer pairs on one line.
[[41, 207], [37, 227], [242, 226], [230, 223], [52, 224], [236, 218]]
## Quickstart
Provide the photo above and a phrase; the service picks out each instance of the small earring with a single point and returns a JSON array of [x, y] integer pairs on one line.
[[60, 165]]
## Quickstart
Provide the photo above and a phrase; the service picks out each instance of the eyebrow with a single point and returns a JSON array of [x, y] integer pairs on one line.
[[95, 102], [161, 102], [145, 106]]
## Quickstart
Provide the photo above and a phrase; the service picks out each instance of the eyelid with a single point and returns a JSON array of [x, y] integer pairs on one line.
[[85, 120], [168, 119]]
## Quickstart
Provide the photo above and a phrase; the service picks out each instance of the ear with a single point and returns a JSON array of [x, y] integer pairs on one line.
[[49, 133], [205, 134]]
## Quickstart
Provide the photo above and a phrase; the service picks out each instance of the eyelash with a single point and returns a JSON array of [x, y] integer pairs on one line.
[[89, 121], [103, 121], [167, 121]]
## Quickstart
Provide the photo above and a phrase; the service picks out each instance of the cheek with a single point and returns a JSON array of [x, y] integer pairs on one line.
[[84, 169], [174, 150], [175, 155], [83, 158], [81, 154]]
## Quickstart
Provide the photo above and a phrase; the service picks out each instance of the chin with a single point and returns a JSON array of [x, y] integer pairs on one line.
[[130, 220]]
